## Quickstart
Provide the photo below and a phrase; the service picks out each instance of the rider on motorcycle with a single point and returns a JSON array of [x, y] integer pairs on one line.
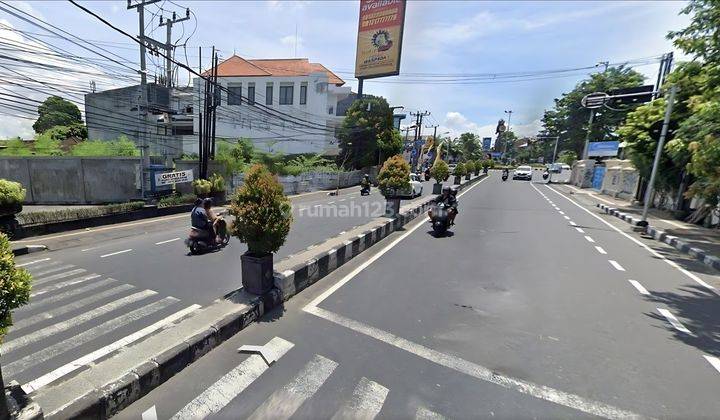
[[365, 183], [199, 220], [451, 203]]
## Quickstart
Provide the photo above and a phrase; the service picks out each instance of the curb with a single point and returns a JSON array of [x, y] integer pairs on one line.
[[107, 399], [662, 236], [28, 249], [25, 407]]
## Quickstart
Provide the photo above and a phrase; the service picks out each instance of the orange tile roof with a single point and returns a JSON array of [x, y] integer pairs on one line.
[[237, 66]]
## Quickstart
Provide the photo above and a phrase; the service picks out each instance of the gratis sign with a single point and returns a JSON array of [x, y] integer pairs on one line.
[[169, 178]]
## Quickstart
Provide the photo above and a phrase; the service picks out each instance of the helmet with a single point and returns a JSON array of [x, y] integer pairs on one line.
[[198, 202], [446, 189], [208, 201]]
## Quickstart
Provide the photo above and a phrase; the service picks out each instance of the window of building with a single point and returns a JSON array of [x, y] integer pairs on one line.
[[269, 94], [251, 94], [234, 95], [182, 130], [286, 95], [303, 94]]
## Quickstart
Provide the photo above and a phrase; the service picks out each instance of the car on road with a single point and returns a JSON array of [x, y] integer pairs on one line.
[[415, 189], [523, 172], [566, 167]]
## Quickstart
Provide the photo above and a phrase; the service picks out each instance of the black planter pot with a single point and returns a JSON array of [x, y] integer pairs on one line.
[[457, 180], [467, 177], [477, 172], [437, 188], [392, 206], [257, 272]]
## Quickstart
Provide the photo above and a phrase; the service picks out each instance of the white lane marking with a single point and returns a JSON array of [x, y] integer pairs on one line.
[[673, 321], [572, 223], [421, 222], [43, 267], [75, 305], [714, 361], [88, 249], [566, 217], [477, 371], [38, 335], [43, 280], [640, 288], [579, 230], [425, 414], [589, 239], [219, 394], [31, 262], [88, 335], [168, 241], [283, 403], [647, 248], [60, 285], [366, 402], [617, 265], [36, 303], [561, 212], [342, 199], [116, 253], [149, 414], [38, 383], [601, 250], [331, 202]]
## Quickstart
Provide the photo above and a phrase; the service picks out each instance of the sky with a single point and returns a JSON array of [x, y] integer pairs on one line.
[[441, 37]]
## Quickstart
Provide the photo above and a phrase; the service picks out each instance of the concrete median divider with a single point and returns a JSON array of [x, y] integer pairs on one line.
[[104, 388]]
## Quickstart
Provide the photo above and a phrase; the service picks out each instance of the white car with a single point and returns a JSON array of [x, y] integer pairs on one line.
[[416, 187], [523, 172]]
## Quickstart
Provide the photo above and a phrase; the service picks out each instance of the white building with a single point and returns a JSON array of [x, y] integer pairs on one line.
[[281, 105]]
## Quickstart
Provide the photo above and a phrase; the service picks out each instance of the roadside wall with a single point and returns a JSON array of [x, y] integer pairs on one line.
[[582, 173], [621, 179], [315, 181], [73, 180]]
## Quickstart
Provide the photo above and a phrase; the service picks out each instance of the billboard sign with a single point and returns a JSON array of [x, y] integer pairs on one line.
[[603, 148], [487, 142], [379, 42], [169, 178]]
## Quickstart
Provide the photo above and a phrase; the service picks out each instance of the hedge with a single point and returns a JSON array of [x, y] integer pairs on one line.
[[53, 216]]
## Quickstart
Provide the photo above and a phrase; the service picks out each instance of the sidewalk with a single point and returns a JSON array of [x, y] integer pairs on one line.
[[701, 243]]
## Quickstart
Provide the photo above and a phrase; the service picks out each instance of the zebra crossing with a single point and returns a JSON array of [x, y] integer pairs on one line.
[[365, 403], [76, 317]]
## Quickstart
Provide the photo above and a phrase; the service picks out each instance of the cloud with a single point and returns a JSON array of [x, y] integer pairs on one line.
[[289, 40]]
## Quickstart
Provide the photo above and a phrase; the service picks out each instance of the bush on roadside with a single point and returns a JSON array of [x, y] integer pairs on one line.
[[11, 193], [394, 176], [176, 200], [262, 212], [470, 166], [202, 187], [440, 171], [54, 216], [14, 285], [460, 170], [217, 183]]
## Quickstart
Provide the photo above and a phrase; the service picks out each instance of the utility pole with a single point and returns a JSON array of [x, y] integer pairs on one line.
[[507, 130], [169, 47], [587, 135], [658, 152]]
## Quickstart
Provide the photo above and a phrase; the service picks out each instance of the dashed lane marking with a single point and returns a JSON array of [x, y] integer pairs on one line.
[[589, 239], [579, 230], [673, 321], [116, 253], [617, 265], [601, 250], [640, 288], [168, 241], [32, 262]]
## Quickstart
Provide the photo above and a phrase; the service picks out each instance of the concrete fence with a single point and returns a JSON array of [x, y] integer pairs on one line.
[[74, 180], [315, 181], [621, 179]]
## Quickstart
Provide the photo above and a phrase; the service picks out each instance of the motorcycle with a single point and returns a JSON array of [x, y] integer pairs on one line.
[[440, 219], [485, 170], [365, 190], [505, 176], [198, 242], [427, 174], [546, 175]]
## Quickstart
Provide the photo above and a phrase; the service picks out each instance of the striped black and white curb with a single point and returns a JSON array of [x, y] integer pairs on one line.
[[662, 236]]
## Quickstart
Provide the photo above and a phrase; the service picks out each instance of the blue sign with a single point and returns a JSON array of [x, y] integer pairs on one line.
[[496, 155], [603, 148], [487, 141]]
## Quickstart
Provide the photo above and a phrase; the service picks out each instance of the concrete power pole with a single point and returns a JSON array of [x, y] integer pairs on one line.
[[169, 47]]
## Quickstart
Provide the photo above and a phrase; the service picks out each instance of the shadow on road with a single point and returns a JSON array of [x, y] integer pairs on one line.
[[699, 310], [447, 234]]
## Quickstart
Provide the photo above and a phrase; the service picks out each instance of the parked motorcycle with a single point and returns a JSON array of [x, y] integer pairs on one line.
[[440, 219]]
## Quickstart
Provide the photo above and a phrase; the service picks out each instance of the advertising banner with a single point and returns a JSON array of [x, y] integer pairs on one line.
[[486, 142], [603, 148], [168, 178], [379, 43]]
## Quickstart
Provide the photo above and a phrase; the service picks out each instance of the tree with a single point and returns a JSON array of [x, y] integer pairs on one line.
[[367, 131], [46, 145], [567, 157], [570, 116], [452, 147], [56, 111], [440, 171], [470, 145], [700, 37], [14, 292]]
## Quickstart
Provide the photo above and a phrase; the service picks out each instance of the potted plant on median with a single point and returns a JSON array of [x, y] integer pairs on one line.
[[217, 188], [469, 168], [262, 221], [202, 187], [14, 292], [486, 164], [393, 179], [478, 167], [439, 171], [459, 173]]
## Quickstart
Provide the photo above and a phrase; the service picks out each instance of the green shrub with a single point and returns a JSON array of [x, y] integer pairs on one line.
[[262, 212], [123, 146], [176, 200], [202, 186], [470, 166], [394, 176], [488, 163], [11, 193], [14, 285], [54, 216], [440, 171], [217, 183], [460, 170]]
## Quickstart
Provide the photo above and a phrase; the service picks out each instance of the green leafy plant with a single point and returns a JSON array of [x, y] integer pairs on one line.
[[262, 212], [567, 156], [55, 216], [16, 147], [123, 146], [56, 111], [46, 145], [202, 186], [217, 183], [440, 171], [460, 170], [469, 166], [394, 176], [176, 200], [11, 193]]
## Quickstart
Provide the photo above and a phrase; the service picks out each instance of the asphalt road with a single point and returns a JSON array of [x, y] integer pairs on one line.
[[536, 307], [97, 287]]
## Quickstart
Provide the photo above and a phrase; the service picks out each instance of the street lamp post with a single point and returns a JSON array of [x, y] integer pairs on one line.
[[507, 130]]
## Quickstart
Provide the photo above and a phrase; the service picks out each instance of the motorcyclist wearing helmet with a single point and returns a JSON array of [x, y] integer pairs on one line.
[[365, 183], [448, 198], [200, 221]]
